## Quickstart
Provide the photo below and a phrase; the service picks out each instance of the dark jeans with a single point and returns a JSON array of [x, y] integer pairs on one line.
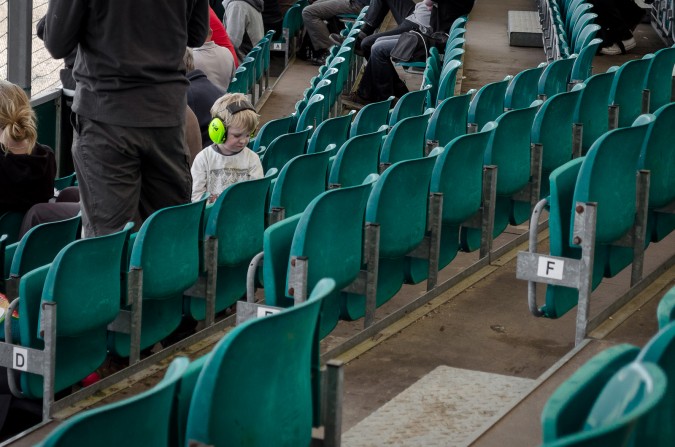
[[127, 173], [368, 42], [378, 10], [380, 79]]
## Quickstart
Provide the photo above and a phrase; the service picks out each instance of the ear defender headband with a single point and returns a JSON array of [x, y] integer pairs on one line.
[[218, 130]]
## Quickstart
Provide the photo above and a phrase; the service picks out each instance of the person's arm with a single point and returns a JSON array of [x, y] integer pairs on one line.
[[256, 169], [198, 23], [199, 173], [220, 36], [63, 26]]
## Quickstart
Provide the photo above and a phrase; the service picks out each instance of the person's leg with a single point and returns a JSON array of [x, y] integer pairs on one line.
[[108, 173], [379, 77], [255, 27], [48, 212], [235, 22], [378, 10], [69, 194], [368, 42], [314, 15], [165, 170]]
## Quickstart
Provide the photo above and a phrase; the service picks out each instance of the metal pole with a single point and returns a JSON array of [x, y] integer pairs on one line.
[[435, 219], [211, 261], [585, 215], [488, 209], [19, 44], [332, 417], [49, 337], [372, 246], [135, 296], [640, 226]]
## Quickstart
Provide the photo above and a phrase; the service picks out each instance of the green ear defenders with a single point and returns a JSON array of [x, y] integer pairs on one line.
[[217, 129]]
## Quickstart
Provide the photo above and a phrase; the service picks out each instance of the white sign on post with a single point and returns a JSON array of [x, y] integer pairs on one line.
[[550, 268], [20, 359], [264, 311]]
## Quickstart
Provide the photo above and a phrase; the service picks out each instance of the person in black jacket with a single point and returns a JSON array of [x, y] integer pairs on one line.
[[27, 168], [130, 101]]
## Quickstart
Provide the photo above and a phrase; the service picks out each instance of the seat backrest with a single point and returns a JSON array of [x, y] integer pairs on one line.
[[488, 103], [293, 14], [300, 180], [607, 177], [568, 407], [448, 78], [658, 157], [522, 90], [592, 111], [313, 114], [659, 78], [406, 140], [118, 423], [665, 313], [399, 204], [631, 396], [449, 119], [458, 174], [239, 83], [84, 282], [41, 243], [10, 224], [555, 77], [371, 117], [509, 149], [283, 148], [356, 159], [456, 43], [270, 130], [584, 31], [583, 64], [574, 15], [626, 90], [410, 104], [286, 358], [331, 131], [552, 127], [277, 241], [660, 350]]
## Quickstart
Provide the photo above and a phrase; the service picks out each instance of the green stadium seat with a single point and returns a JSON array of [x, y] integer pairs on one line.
[[270, 130], [371, 117], [356, 159], [286, 364], [555, 77], [164, 263], [398, 204], [10, 224], [291, 26], [626, 91], [331, 131], [552, 128], [583, 64], [488, 103], [449, 120], [584, 32], [239, 83], [631, 396], [659, 78], [592, 112], [141, 420], [62, 183], [522, 90], [237, 223], [283, 148], [405, 141], [313, 114], [410, 104], [458, 175], [447, 81], [299, 182], [665, 313], [568, 407], [84, 283]]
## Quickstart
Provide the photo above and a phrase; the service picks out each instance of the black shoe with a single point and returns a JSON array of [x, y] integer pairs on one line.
[[320, 58], [337, 38]]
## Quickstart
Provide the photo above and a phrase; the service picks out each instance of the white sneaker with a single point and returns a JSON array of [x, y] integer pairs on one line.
[[615, 49]]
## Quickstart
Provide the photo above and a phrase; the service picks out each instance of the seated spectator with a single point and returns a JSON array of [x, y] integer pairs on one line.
[[215, 61], [314, 17], [617, 20], [244, 24], [27, 168], [220, 36], [201, 94], [377, 11], [380, 80], [227, 160]]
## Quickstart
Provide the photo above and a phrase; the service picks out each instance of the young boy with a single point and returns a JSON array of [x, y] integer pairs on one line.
[[224, 163]]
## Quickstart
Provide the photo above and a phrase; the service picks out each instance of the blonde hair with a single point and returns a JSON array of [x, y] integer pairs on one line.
[[246, 119], [188, 60], [17, 118]]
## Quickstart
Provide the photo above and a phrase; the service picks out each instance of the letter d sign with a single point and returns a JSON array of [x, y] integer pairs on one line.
[[20, 359]]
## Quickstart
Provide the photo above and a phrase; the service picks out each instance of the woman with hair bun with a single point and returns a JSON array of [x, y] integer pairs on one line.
[[27, 168]]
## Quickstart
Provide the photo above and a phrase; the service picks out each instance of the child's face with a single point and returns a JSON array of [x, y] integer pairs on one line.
[[237, 139]]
